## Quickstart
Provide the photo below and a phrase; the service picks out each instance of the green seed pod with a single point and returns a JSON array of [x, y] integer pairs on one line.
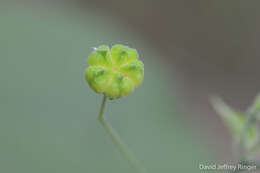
[[116, 72]]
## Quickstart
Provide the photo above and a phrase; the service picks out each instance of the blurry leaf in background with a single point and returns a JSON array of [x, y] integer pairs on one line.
[[235, 121], [256, 106], [48, 114]]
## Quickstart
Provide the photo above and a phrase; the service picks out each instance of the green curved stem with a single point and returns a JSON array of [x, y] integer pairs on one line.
[[117, 140]]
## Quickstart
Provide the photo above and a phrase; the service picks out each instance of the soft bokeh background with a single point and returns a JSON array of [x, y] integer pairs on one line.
[[191, 50]]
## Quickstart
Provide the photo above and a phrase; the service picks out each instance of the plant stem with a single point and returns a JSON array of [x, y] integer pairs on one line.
[[118, 142], [248, 164], [244, 151], [250, 119]]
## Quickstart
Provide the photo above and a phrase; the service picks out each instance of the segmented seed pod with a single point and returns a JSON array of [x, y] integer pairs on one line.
[[116, 72]]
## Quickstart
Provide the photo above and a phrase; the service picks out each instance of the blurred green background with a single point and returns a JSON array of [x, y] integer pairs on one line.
[[48, 114]]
